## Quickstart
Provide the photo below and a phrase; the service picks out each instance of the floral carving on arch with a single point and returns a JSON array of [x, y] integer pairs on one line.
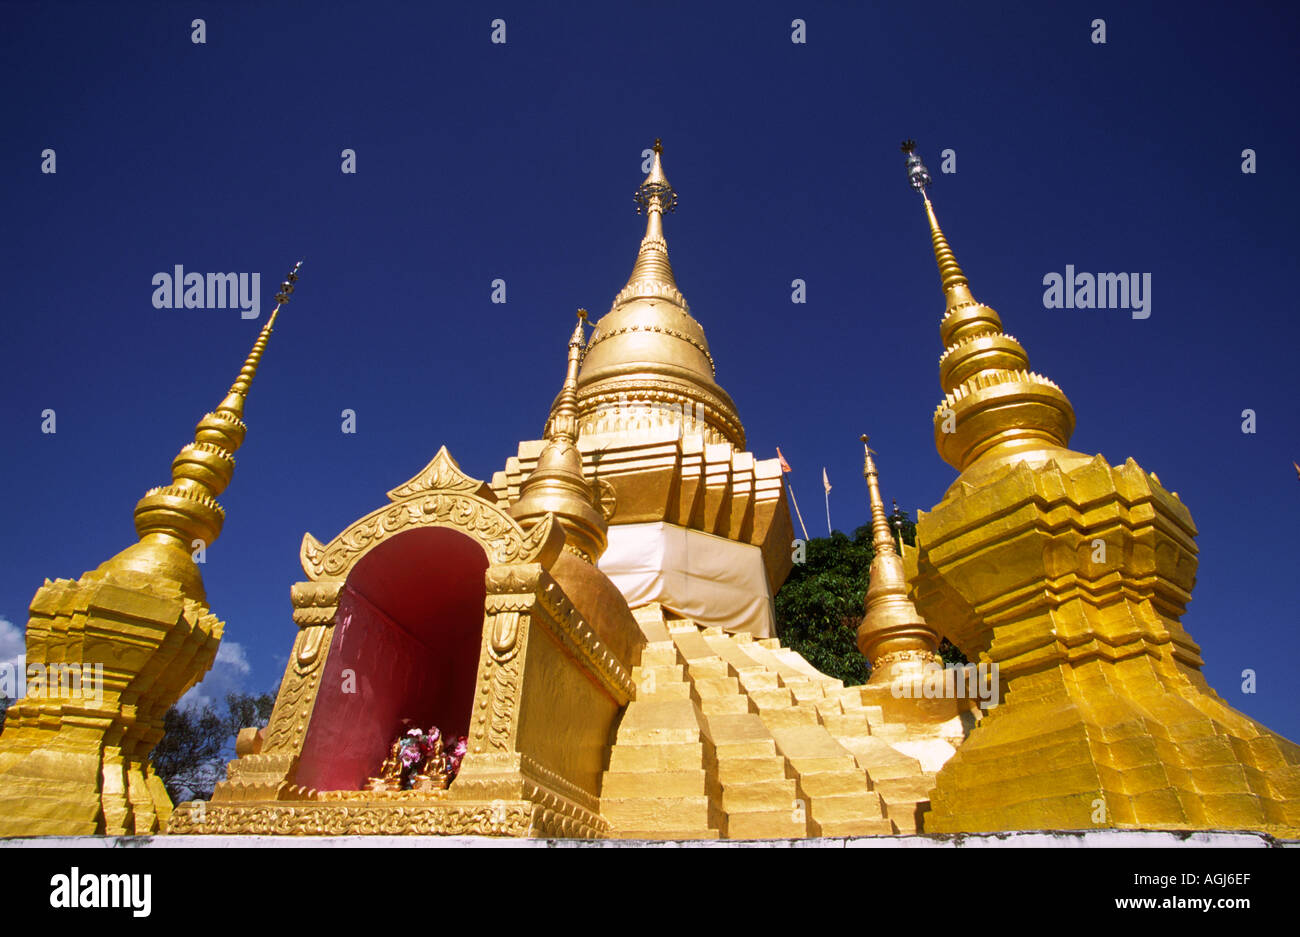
[[440, 495]]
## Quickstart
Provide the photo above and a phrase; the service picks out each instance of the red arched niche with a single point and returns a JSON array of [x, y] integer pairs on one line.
[[408, 628]]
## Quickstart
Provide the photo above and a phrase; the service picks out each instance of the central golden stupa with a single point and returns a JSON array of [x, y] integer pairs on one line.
[[596, 622]]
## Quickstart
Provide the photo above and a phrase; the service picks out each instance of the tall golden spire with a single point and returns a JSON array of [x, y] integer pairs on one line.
[[994, 408], [893, 636], [173, 521], [652, 274], [557, 485], [648, 358]]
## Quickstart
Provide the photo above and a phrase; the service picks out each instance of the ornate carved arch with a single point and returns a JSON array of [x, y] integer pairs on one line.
[[440, 495], [532, 636]]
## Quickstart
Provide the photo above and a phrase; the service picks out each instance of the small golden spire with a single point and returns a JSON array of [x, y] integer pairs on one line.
[[881, 538], [174, 521], [564, 413], [994, 405], [893, 636], [557, 485]]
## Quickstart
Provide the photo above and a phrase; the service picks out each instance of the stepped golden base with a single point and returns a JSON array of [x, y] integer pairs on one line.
[[76, 763], [1071, 577]]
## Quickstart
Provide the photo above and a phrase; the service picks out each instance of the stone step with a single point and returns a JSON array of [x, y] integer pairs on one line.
[[833, 721], [849, 698], [874, 827], [765, 824], [656, 813], [906, 816], [674, 756], [792, 717], [845, 807], [655, 721], [774, 698], [751, 768], [659, 653], [811, 749], [664, 834], [914, 788], [692, 646], [830, 783], [769, 658], [890, 731], [650, 619], [739, 735], [659, 673], [760, 795], [880, 759], [720, 705], [759, 678], [745, 748], [707, 687], [797, 662], [854, 722], [726, 647], [653, 690], [842, 725], [807, 692], [681, 783]]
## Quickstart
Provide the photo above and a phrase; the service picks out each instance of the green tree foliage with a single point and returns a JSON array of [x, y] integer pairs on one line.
[[198, 741], [819, 607]]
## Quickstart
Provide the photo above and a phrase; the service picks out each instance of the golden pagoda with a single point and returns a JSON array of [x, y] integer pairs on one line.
[[1070, 576], [74, 758], [597, 622], [592, 630]]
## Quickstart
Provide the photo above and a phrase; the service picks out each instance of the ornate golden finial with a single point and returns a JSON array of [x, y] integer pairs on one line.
[[994, 405], [893, 636], [557, 485], [648, 351], [175, 521], [917, 174], [652, 274], [234, 402]]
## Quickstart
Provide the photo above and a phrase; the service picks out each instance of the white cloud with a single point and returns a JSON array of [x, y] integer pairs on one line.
[[231, 654], [13, 649], [226, 676]]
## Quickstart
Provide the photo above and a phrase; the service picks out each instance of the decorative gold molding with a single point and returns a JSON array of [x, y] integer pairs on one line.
[[663, 330], [441, 474], [484, 520], [515, 818], [573, 632]]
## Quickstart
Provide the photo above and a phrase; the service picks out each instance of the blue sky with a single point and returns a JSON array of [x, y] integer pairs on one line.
[[478, 161]]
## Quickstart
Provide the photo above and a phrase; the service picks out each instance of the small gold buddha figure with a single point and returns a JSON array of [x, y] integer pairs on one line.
[[433, 774], [390, 773]]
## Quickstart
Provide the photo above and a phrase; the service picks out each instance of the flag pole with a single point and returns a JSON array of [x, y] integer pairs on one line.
[[826, 483], [786, 470], [790, 488]]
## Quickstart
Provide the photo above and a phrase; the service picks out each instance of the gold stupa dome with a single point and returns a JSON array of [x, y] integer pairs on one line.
[[648, 363]]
